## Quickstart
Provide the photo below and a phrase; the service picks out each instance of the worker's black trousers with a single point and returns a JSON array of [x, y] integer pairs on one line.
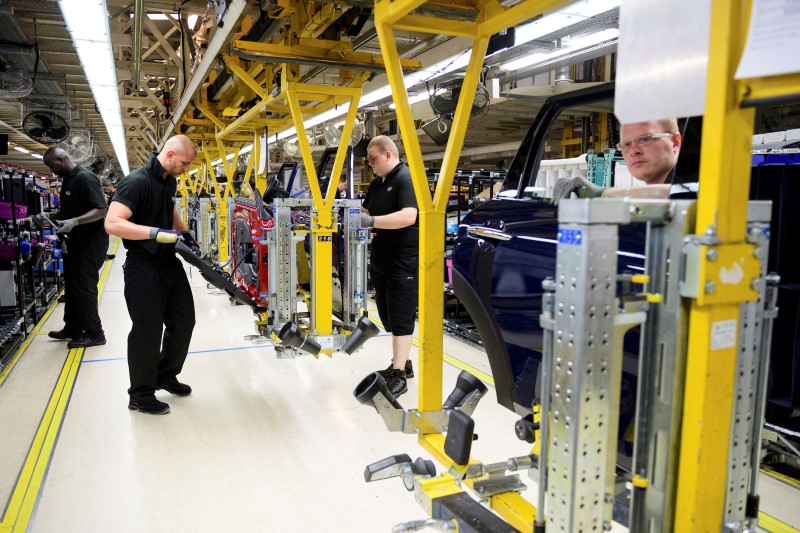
[[82, 264], [161, 308]]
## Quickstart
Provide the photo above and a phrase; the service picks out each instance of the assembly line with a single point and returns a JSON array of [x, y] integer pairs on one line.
[[597, 334]]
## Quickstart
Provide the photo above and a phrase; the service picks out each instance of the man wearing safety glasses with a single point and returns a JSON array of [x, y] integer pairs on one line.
[[650, 150]]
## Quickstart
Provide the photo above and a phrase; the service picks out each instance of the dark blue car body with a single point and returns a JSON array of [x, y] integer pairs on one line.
[[499, 280]]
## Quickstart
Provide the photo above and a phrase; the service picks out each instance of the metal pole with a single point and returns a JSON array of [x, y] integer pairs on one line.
[[138, 19], [548, 324]]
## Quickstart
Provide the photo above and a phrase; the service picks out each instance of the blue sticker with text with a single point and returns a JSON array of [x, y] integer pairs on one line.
[[570, 236]]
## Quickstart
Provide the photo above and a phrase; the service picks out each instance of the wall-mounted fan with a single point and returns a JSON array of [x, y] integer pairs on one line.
[[444, 97], [333, 133], [291, 146], [45, 127], [79, 147]]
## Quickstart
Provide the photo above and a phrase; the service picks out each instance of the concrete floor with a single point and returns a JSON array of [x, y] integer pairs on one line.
[[262, 444]]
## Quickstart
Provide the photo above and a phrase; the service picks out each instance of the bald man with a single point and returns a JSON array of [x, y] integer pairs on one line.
[[650, 150], [157, 292], [79, 224]]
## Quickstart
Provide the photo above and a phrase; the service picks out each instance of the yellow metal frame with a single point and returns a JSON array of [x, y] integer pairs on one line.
[[492, 18], [721, 212], [722, 208], [322, 224]]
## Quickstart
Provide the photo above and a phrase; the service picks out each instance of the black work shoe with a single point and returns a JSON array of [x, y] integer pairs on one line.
[[149, 405], [63, 335], [395, 381], [85, 342], [409, 368], [173, 386]]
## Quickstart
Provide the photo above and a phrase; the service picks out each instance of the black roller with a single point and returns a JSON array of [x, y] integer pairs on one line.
[[466, 384], [365, 330], [291, 335], [370, 386]]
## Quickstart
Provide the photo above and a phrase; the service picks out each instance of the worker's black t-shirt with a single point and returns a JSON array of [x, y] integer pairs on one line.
[[390, 195], [150, 197], [81, 192]]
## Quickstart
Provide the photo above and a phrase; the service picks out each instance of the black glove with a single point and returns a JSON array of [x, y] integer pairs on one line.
[[189, 240], [165, 236], [367, 221], [582, 187]]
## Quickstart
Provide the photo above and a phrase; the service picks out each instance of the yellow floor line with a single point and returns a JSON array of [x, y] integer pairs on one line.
[[26, 492], [773, 525], [781, 477], [458, 363]]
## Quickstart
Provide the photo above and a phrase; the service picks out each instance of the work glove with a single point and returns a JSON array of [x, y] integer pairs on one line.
[[582, 187], [40, 219], [367, 221], [189, 240], [165, 236], [65, 226]]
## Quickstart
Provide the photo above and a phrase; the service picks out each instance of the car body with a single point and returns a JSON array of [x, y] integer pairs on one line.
[[505, 248]]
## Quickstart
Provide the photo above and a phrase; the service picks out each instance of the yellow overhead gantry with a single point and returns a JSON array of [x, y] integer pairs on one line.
[[491, 18], [722, 204], [269, 94]]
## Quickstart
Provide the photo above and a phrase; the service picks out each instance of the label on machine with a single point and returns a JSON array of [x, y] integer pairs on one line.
[[325, 341], [723, 334], [570, 236]]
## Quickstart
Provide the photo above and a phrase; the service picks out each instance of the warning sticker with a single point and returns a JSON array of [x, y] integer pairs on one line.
[[723, 334]]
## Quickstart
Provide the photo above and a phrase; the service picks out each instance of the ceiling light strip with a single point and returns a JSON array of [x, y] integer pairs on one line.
[[550, 23], [87, 24]]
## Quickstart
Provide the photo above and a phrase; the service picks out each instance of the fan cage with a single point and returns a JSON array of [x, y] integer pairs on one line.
[[444, 97], [45, 126]]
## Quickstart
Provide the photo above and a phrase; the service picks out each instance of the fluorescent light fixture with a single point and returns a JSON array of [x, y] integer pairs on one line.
[[161, 16], [550, 23], [567, 48], [37, 156], [562, 18], [21, 149], [87, 23], [413, 99]]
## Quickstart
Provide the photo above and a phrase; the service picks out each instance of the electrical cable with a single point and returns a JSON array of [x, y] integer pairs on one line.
[[675, 166]]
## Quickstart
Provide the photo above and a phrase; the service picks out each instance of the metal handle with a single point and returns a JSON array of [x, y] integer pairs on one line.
[[488, 233]]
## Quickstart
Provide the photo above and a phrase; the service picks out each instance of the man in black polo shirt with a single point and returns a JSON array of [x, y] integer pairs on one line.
[[157, 292], [80, 224], [390, 207]]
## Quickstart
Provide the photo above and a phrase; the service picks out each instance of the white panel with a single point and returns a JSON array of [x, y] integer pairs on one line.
[[772, 40], [662, 59]]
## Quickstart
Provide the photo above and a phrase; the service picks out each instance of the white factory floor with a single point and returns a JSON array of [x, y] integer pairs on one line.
[[262, 444]]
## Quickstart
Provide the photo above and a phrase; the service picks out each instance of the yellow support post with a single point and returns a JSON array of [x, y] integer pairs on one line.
[[322, 224], [721, 212], [493, 18], [222, 205]]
